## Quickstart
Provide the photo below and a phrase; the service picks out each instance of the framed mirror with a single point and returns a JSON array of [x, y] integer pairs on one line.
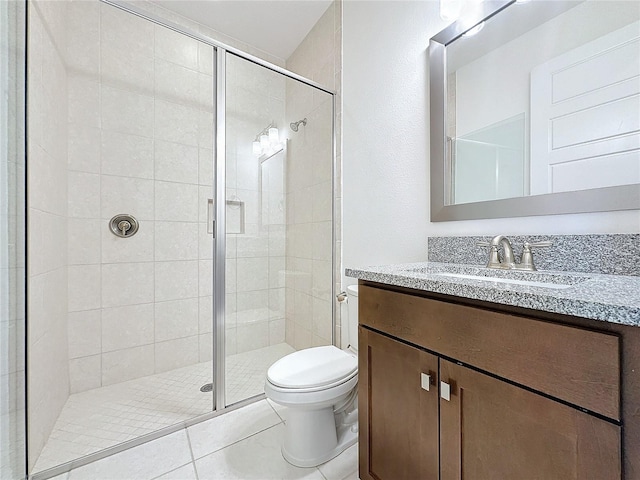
[[535, 110]]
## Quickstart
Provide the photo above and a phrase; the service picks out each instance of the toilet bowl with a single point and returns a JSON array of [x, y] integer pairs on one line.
[[319, 387]]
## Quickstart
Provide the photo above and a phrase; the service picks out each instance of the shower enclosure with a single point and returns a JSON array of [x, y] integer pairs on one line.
[[181, 232]]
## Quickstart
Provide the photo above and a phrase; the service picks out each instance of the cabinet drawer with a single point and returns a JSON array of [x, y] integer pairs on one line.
[[575, 365]]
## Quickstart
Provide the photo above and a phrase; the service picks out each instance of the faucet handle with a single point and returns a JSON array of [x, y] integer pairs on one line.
[[544, 243], [494, 260], [526, 262]]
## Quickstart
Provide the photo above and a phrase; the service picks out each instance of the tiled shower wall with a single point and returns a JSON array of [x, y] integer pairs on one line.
[[12, 240], [140, 143], [309, 299], [255, 260], [48, 379]]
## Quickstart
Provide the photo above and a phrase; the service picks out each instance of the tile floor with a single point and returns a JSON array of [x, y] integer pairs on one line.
[[96, 419], [240, 445]]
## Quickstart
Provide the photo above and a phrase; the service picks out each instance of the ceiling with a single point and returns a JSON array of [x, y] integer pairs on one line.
[[274, 26]]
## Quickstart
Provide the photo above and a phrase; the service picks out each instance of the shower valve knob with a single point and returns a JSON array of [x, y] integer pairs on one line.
[[123, 225]]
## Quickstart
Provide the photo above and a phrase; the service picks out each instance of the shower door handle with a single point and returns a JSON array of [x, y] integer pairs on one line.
[[211, 221]]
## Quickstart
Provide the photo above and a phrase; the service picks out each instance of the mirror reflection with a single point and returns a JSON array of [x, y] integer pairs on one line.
[[544, 98]]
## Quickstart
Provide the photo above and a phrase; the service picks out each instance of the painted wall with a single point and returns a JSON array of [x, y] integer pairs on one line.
[[386, 143]]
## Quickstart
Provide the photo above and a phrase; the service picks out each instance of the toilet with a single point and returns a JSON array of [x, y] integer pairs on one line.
[[319, 387]]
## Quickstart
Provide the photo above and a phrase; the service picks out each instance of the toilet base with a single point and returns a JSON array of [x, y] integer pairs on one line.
[[326, 443]]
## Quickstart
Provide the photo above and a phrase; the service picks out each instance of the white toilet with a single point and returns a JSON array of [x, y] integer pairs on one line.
[[319, 387]]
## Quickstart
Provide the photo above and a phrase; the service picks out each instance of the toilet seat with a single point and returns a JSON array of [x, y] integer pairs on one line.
[[312, 369]]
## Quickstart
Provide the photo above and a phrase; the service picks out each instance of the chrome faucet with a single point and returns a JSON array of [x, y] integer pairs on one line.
[[508, 260], [494, 257]]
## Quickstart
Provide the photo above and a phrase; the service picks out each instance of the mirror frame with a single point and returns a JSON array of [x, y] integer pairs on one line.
[[624, 197]]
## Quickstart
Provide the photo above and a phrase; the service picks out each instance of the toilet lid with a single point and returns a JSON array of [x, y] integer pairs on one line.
[[312, 367]]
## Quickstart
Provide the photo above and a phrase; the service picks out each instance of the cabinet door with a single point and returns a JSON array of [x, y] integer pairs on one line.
[[398, 417], [490, 429]]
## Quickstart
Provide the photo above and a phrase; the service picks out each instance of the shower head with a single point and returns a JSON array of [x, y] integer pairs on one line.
[[295, 125]]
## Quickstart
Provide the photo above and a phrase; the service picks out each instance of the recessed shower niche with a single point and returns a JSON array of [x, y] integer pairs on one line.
[[231, 266]]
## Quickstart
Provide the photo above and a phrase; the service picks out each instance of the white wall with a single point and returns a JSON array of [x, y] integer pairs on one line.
[[385, 124], [386, 143]]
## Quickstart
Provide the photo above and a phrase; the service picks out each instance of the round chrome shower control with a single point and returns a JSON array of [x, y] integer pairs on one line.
[[123, 225]]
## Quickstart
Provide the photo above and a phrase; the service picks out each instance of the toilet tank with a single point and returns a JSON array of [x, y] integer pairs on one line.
[[352, 320]]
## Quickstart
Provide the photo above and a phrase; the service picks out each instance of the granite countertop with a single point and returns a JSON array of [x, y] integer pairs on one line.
[[609, 298]]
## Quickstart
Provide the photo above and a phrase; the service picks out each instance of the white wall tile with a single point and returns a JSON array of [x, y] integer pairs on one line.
[[126, 155], [175, 280], [128, 33], [176, 48], [128, 70], [176, 123], [85, 333], [126, 327], [176, 353], [253, 274], [205, 171], [137, 248], [252, 307], [127, 112], [205, 58], [176, 202], [276, 331], [83, 148], [127, 284], [322, 241], [176, 162], [84, 287], [206, 347], [84, 101], [84, 195], [205, 314], [175, 83], [176, 241], [205, 274], [83, 41], [134, 196], [127, 364], [84, 373], [176, 319], [83, 241], [252, 337], [205, 129]]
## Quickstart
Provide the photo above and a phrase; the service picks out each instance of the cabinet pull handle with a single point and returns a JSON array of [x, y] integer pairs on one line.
[[445, 391], [425, 381]]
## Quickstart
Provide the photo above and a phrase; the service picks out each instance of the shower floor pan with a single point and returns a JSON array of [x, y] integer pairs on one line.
[[103, 417]]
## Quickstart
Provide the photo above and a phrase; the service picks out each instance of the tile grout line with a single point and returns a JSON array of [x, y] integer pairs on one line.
[[193, 458]]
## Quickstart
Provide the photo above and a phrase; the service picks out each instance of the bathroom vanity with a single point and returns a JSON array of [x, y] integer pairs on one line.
[[464, 377]]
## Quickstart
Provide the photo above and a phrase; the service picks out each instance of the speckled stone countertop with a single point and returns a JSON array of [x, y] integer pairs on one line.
[[609, 298]]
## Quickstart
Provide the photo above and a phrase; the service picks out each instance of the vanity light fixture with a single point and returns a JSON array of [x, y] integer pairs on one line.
[[267, 143], [472, 31]]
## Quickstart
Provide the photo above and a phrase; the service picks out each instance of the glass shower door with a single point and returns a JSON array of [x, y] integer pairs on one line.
[[279, 199], [122, 344]]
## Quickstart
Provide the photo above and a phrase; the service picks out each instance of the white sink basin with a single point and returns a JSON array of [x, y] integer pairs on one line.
[[512, 281]]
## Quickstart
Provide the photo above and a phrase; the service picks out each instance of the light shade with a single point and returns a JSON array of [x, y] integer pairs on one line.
[[264, 141], [273, 135], [450, 9]]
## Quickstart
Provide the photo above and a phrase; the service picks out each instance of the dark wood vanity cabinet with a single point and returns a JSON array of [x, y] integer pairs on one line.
[[504, 416]]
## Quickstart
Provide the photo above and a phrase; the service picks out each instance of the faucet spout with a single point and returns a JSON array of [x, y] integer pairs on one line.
[[508, 258]]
